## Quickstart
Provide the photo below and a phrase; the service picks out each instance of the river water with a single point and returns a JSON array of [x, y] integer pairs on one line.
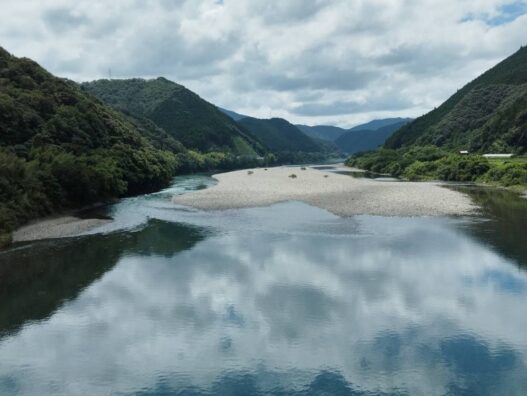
[[287, 299]]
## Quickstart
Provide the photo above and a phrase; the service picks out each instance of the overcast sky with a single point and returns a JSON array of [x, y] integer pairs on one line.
[[337, 62]]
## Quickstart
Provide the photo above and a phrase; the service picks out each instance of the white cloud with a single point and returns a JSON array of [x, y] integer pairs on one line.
[[272, 58]]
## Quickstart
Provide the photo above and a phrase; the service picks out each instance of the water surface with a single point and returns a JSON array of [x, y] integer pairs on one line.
[[288, 299]]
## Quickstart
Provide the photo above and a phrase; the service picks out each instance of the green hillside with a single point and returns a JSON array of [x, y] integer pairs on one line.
[[356, 140], [62, 148], [487, 115], [180, 112], [374, 125], [280, 135], [326, 132], [232, 114]]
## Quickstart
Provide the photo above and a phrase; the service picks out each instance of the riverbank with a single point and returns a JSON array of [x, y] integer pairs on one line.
[[59, 227], [433, 163], [339, 194]]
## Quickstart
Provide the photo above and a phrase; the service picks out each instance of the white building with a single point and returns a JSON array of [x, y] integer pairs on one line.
[[497, 155]]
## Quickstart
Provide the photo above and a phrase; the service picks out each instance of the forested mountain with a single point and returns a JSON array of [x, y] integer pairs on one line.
[[356, 140], [327, 146], [280, 135], [380, 123], [336, 134], [327, 132], [60, 147], [180, 112], [487, 115], [235, 116]]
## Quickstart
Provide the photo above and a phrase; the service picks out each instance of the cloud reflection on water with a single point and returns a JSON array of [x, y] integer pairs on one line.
[[375, 304]]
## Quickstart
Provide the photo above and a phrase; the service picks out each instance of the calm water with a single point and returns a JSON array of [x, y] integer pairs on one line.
[[282, 300]]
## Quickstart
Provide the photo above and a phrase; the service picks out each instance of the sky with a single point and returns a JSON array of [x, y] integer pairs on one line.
[[336, 62]]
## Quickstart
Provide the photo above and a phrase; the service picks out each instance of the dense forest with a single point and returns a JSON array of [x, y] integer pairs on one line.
[[62, 148], [65, 145], [280, 135], [433, 163], [185, 116], [487, 115]]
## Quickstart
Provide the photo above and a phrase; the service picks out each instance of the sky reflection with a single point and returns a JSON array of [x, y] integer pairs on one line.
[[288, 299]]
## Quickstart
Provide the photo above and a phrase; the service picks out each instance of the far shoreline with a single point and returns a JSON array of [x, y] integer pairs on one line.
[[339, 194]]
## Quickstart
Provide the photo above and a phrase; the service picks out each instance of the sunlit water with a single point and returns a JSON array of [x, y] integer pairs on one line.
[[287, 299]]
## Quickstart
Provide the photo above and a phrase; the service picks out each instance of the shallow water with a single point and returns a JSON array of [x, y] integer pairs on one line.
[[288, 299], [356, 173]]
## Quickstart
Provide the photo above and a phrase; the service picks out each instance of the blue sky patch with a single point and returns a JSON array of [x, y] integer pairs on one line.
[[506, 14]]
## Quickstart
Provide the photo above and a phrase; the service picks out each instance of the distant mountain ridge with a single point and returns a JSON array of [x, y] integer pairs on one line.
[[367, 136], [361, 137], [185, 116], [326, 132], [280, 135], [356, 140], [488, 114], [381, 123], [330, 133]]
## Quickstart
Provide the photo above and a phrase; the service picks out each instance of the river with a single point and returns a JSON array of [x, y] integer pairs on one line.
[[287, 299]]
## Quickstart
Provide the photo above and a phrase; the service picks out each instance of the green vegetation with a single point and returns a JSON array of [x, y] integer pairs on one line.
[[232, 114], [279, 135], [489, 114], [289, 143], [184, 116], [61, 148], [511, 172], [433, 163], [357, 140], [324, 132]]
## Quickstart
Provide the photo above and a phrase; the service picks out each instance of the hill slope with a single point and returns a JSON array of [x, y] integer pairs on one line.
[[488, 114], [332, 133], [232, 114], [355, 140], [279, 135], [325, 132], [380, 123], [180, 112], [62, 148]]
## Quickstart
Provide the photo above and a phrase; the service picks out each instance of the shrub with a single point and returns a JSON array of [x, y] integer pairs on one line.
[[511, 174]]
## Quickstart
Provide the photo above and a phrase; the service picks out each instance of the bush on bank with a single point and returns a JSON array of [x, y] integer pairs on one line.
[[433, 163]]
